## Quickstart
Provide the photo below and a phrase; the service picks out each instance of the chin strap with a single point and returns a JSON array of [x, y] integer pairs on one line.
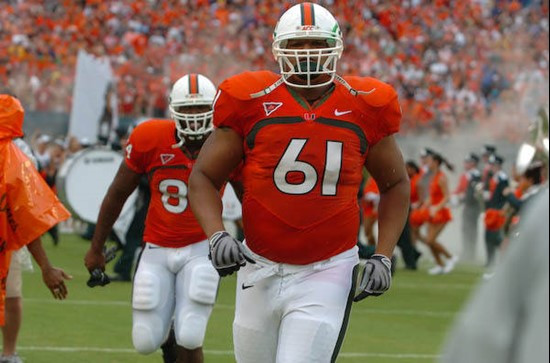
[[269, 89], [180, 143], [351, 90], [338, 78]]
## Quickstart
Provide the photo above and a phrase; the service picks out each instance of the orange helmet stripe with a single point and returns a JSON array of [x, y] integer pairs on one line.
[[193, 84], [308, 14]]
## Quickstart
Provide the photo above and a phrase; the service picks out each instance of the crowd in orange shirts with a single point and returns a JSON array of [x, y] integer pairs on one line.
[[451, 61]]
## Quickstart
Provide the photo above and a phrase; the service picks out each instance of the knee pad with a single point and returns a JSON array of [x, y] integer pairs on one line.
[[148, 330], [310, 341], [143, 338], [253, 345], [147, 294], [191, 329], [203, 285]]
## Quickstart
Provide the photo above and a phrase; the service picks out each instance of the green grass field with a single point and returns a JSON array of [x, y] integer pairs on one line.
[[408, 324]]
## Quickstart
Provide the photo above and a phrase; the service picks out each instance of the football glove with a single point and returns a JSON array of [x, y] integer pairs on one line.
[[376, 277], [227, 254]]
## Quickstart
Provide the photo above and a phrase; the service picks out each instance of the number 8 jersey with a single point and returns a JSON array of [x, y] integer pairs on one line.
[[170, 221], [303, 165]]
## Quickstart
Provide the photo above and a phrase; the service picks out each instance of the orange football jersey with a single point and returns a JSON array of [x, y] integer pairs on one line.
[[170, 221], [302, 165]]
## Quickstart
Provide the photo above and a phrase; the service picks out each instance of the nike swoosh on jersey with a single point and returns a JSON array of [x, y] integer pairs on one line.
[[341, 113]]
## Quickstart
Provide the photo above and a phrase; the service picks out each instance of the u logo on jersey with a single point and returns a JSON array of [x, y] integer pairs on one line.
[[309, 116], [270, 107]]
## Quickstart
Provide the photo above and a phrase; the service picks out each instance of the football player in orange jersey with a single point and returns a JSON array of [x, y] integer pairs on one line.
[[304, 137], [174, 278]]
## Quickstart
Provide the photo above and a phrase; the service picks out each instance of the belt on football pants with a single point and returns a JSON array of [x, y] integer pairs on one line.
[[266, 268]]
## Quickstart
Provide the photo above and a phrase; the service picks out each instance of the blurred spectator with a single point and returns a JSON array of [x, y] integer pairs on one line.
[[40, 143], [494, 214], [465, 193], [29, 209]]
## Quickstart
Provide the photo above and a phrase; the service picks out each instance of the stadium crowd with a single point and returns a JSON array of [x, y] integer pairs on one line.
[[451, 61]]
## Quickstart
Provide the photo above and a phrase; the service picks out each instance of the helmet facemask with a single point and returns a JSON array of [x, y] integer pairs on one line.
[[190, 124], [308, 64]]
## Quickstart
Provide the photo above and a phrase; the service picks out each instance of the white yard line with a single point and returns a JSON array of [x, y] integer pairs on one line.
[[428, 286], [358, 310], [215, 352]]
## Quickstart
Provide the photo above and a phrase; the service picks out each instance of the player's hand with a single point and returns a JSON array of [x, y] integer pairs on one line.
[[94, 260], [227, 254], [376, 277], [54, 278]]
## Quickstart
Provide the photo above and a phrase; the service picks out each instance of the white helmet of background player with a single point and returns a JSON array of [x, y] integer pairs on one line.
[[307, 21], [188, 91]]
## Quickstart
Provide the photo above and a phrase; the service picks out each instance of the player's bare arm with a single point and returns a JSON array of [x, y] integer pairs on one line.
[[125, 182], [385, 164], [220, 155], [53, 277]]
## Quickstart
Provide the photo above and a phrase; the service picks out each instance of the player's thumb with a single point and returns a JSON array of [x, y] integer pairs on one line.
[[246, 253], [66, 276]]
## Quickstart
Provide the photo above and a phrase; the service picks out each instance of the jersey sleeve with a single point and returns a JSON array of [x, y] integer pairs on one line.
[[226, 112], [135, 155], [390, 120]]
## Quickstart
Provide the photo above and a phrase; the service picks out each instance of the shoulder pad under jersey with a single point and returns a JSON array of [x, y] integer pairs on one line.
[[148, 133], [244, 85], [372, 91]]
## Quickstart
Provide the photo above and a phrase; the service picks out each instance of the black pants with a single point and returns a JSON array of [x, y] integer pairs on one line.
[[134, 237], [470, 217], [408, 251], [54, 232], [493, 239]]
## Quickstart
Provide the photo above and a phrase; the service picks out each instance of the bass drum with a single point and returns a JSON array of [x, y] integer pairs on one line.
[[83, 180]]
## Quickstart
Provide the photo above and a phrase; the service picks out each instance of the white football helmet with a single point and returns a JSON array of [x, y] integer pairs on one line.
[[192, 90], [307, 21]]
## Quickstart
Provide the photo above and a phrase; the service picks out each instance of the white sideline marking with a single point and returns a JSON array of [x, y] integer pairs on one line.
[[442, 314], [408, 285], [218, 352], [358, 310]]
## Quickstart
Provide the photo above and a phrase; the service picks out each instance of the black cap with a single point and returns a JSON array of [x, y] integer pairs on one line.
[[472, 158], [426, 151], [489, 149], [496, 159]]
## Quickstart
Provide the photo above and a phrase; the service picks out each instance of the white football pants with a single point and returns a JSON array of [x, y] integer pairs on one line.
[[172, 283], [293, 314]]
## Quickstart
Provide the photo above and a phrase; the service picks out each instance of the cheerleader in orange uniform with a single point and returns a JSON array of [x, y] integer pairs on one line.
[[439, 215], [418, 214], [371, 197]]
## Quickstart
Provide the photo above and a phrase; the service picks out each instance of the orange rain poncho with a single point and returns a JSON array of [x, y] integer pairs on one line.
[[28, 207]]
